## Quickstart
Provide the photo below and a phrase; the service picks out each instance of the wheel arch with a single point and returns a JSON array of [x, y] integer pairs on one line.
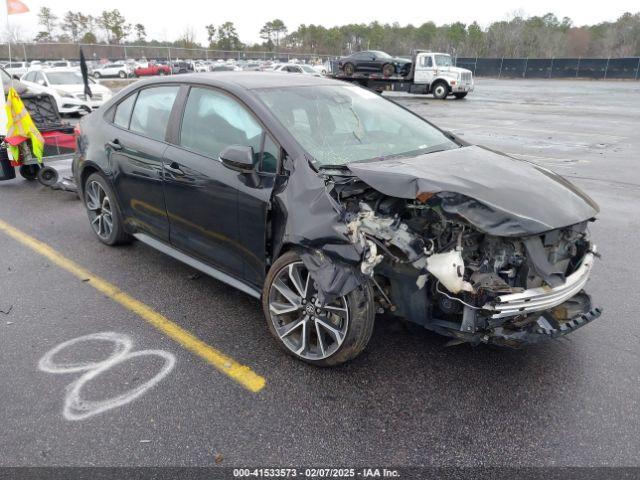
[[437, 80]]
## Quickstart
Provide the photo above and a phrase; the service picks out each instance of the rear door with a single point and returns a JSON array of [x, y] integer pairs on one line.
[[136, 145], [202, 194]]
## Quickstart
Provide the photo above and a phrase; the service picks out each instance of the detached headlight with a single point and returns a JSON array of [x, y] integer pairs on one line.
[[81, 96]]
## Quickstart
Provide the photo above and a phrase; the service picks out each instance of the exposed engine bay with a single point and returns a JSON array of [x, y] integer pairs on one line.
[[434, 268]]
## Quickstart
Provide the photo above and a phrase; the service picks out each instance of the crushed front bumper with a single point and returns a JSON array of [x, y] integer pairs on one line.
[[542, 298]]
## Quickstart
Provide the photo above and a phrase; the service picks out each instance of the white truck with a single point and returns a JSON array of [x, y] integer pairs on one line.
[[430, 72]]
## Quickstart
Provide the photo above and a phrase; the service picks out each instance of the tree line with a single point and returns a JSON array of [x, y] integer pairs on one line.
[[519, 36]]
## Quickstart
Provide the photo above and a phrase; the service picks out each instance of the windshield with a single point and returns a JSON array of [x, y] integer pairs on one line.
[[443, 61], [341, 124], [307, 69], [64, 78]]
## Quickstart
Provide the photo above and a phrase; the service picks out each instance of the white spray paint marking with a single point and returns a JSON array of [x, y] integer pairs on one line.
[[75, 408]]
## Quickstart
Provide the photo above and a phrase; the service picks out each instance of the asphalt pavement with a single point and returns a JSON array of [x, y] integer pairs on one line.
[[138, 395]]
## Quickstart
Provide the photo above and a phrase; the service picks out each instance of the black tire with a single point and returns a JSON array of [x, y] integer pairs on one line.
[[161, 73], [460, 95], [29, 172], [117, 236], [48, 176], [96, 74], [349, 69], [388, 70], [361, 308], [440, 90], [122, 74]]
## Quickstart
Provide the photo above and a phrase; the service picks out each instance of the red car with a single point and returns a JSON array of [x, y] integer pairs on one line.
[[152, 69]]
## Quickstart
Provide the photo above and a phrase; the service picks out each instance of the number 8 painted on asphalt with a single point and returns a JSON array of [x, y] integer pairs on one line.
[[75, 408]]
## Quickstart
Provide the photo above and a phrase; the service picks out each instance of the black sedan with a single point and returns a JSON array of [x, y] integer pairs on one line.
[[332, 204], [374, 61]]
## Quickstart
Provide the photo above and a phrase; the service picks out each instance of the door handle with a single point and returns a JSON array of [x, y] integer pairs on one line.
[[174, 167], [115, 144]]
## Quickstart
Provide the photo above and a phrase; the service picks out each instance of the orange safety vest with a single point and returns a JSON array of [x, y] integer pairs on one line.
[[19, 124]]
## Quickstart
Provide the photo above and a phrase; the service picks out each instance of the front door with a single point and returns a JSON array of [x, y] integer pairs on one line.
[[424, 69], [201, 193]]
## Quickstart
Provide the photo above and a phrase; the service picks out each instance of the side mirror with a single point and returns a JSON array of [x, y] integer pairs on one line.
[[237, 157]]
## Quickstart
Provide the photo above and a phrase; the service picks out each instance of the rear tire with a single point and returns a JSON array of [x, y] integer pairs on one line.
[[122, 74], [104, 213], [460, 95], [388, 70], [325, 336], [96, 75], [349, 69], [440, 90]]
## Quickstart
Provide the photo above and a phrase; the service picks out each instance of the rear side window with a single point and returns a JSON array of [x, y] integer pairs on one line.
[[152, 110], [123, 111]]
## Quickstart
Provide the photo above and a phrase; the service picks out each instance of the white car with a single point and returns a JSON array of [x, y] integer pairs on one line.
[[119, 69], [200, 67], [67, 87], [297, 68], [322, 68], [17, 69]]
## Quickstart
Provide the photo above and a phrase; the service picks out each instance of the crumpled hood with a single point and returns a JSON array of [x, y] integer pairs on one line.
[[498, 194]]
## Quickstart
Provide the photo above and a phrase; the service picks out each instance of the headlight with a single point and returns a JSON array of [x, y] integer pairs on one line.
[[64, 94], [81, 96]]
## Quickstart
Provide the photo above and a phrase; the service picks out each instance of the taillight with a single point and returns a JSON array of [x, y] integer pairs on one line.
[[77, 130]]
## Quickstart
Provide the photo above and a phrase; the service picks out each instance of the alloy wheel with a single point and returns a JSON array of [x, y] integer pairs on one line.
[[99, 207], [310, 330]]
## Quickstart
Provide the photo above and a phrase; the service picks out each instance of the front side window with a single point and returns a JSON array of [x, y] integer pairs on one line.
[[341, 124], [213, 121], [426, 61], [152, 110]]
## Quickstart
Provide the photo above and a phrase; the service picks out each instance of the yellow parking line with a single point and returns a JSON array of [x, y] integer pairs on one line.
[[225, 364]]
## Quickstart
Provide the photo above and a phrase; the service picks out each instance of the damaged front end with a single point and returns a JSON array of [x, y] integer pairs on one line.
[[436, 269], [431, 266]]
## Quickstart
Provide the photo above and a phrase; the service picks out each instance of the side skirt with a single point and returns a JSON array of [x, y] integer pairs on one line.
[[197, 264]]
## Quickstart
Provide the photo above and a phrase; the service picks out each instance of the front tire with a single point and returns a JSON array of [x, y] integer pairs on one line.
[[104, 214], [460, 95], [122, 74], [96, 75], [440, 90], [320, 335]]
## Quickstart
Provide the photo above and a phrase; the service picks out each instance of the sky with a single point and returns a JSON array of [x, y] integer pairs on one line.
[[167, 20]]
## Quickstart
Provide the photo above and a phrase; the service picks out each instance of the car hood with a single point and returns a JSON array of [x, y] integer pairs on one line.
[[498, 194]]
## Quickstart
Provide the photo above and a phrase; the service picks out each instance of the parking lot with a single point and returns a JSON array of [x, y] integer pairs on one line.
[[182, 345]]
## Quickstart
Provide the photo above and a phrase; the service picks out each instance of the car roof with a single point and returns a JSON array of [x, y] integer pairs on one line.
[[249, 80]]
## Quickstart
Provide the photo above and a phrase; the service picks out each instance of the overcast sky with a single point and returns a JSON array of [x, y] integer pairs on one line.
[[166, 20]]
